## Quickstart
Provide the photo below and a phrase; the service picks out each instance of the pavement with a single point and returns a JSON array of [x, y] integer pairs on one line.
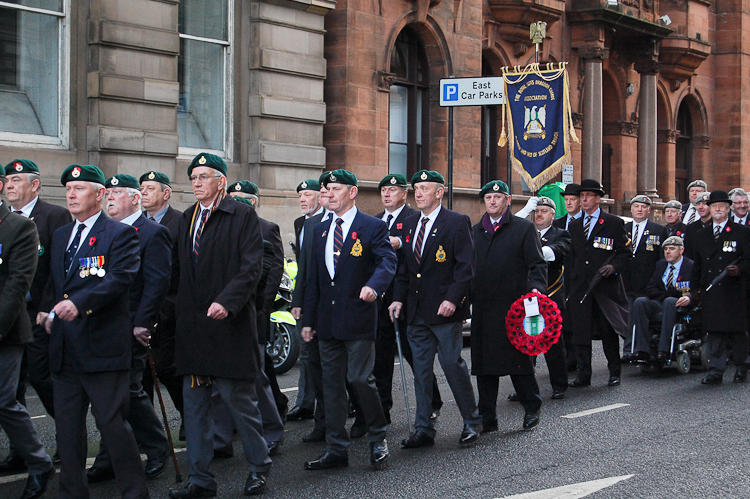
[[654, 436]]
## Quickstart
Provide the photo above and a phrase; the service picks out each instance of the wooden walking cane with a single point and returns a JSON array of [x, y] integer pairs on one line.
[[178, 476]]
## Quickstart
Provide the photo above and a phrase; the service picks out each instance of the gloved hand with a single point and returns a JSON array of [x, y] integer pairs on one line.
[[607, 270], [530, 206], [733, 270]]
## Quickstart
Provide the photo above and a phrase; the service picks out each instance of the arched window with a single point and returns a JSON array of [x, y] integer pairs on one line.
[[490, 170], [409, 106]]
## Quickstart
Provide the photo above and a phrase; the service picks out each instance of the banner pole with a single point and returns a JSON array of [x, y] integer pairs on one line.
[[450, 158]]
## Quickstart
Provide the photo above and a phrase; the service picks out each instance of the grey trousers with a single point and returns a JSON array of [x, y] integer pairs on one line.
[[644, 310], [148, 430], [351, 361], [445, 340], [109, 397], [305, 388], [239, 396], [717, 350], [14, 418]]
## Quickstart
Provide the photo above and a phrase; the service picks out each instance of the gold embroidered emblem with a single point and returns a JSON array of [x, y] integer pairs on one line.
[[393, 180], [440, 255], [357, 248], [151, 176], [202, 161], [76, 172], [423, 176]]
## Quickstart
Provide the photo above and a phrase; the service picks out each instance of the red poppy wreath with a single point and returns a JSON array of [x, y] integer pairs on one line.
[[539, 343]]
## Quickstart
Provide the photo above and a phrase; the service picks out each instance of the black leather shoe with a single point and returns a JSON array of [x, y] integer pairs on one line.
[[741, 375], [37, 484], [220, 454], [379, 454], [181, 436], [530, 420], [712, 379], [314, 436], [628, 358], [273, 447], [579, 382], [56, 459], [255, 483], [613, 381], [359, 428], [434, 415], [12, 464], [469, 435], [489, 427], [155, 467], [557, 395], [642, 356], [192, 490], [97, 474], [328, 460], [299, 413], [513, 397], [662, 357], [417, 439]]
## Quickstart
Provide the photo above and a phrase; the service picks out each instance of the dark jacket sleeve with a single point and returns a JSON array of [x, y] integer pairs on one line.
[[535, 263], [385, 260], [463, 271], [561, 245], [21, 263], [276, 269], [157, 273], [655, 287], [312, 291], [623, 253]]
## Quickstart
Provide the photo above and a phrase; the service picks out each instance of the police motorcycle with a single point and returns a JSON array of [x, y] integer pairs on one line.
[[283, 341]]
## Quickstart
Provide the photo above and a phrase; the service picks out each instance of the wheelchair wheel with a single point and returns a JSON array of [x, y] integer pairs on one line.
[[683, 362], [704, 357]]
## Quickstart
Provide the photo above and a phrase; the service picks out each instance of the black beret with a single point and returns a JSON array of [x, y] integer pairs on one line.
[[21, 166], [155, 176], [209, 160], [83, 173]]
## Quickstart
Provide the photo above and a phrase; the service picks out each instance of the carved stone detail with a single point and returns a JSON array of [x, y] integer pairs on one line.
[[701, 141], [666, 136], [385, 81], [632, 3], [620, 128], [647, 66], [519, 49], [589, 53], [577, 120]]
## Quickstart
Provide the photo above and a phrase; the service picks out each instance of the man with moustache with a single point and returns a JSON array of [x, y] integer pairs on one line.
[[94, 262], [704, 214], [22, 191], [147, 293], [673, 217], [431, 288], [690, 209]]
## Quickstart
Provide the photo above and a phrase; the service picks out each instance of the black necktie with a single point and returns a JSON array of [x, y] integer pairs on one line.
[[73, 249], [338, 242], [152, 218], [388, 221]]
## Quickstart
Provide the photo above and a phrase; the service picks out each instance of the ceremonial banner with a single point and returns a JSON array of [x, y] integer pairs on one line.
[[539, 121]]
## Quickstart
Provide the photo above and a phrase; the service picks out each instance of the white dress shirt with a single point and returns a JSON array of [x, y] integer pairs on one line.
[[722, 225], [302, 230], [395, 214], [571, 218], [26, 210], [594, 218], [741, 221], [130, 219], [348, 218], [431, 217], [641, 228], [89, 222], [677, 266]]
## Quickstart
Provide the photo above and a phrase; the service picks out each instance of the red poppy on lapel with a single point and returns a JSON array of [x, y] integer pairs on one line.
[[92, 240], [408, 237], [354, 236], [729, 229], [136, 229], [601, 220], [399, 226], [678, 233]]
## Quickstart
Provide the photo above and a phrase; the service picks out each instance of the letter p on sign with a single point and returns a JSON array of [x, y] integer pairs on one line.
[[450, 92]]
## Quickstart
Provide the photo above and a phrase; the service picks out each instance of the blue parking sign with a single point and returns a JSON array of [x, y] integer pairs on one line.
[[450, 92]]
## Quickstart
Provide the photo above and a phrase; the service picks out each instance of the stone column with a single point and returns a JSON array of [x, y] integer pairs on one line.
[[591, 148], [647, 131]]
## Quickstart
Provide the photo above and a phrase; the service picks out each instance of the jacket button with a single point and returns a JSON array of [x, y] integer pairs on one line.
[[333, 302], [417, 292], [419, 276], [88, 312], [332, 283], [65, 296], [587, 262]]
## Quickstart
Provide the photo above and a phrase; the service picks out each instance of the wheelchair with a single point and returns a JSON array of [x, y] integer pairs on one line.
[[689, 343]]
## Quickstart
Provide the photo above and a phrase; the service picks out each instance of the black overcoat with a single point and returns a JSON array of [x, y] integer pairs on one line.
[[509, 264], [558, 240], [48, 218]]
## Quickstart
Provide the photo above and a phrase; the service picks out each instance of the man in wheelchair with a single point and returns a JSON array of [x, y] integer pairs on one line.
[[664, 293]]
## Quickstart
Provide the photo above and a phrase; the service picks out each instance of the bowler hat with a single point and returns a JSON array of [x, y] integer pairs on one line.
[[571, 190], [718, 197], [591, 185]]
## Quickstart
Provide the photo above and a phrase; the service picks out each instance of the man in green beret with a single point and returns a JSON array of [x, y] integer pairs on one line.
[[22, 192]]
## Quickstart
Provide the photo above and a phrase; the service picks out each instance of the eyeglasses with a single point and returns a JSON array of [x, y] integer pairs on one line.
[[203, 178]]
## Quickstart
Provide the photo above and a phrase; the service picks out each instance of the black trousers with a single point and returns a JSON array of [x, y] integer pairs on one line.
[[557, 366], [35, 366], [610, 344], [525, 385]]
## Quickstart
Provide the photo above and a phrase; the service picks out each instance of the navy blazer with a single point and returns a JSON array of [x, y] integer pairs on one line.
[[438, 277], [99, 339], [150, 286], [398, 229], [333, 307], [656, 290], [636, 275]]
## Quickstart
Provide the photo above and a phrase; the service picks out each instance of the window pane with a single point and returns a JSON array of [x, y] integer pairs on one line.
[[30, 73], [397, 159], [398, 114], [55, 5], [420, 99], [204, 18], [200, 115]]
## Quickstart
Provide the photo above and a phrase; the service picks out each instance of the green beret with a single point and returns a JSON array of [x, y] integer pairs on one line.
[[83, 173], [243, 200], [21, 166], [339, 177], [210, 160], [309, 185], [244, 186], [496, 186], [394, 179], [427, 176], [155, 176], [122, 180]]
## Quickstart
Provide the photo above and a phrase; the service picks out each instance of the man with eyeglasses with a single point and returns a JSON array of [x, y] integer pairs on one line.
[[740, 206], [219, 255]]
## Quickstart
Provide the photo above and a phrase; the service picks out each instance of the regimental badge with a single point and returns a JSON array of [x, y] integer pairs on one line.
[[495, 187], [18, 166], [535, 119], [356, 249], [76, 172], [393, 180], [151, 176], [333, 178], [238, 187], [423, 176], [304, 185], [202, 161], [41, 250], [440, 255], [114, 181]]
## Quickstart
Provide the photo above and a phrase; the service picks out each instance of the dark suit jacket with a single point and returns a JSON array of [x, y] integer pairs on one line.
[[397, 230], [305, 253], [642, 265], [689, 237], [656, 290], [150, 286], [333, 307], [48, 218], [19, 252], [425, 286], [299, 222], [677, 229], [273, 260], [558, 240], [167, 314], [100, 338]]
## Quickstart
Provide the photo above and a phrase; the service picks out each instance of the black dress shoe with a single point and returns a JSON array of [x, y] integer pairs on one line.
[[579, 382], [613, 381], [557, 395], [192, 490], [662, 357], [489, 427], [513, 397], [434, 415], [530, 420], [283, 411], [299, 413], [181, 436], [273, 447], [255, 483], [56, 459], [379, 454], [12, 464], [314, 436], [155, 467], [741, 375], [416, 440], [37, 484], [97, 474], [712, 379], [359, 428], [220, 454], [469, 435], [328, 460], [641, 356]]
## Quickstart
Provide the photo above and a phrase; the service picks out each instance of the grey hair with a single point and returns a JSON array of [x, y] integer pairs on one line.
[[737, 191], [30, 177], [97, 186], [132, 192]]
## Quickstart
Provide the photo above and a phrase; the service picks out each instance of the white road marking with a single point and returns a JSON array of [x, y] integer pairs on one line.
[[573, 491], [594, 411], [39, 417], [287, 390]]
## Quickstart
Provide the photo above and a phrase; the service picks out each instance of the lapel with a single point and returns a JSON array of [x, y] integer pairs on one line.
[[429, 239], [85, 249], [167, 216], [598, 224], [643, 235], [38, 209], [355, 228], [139, 222]]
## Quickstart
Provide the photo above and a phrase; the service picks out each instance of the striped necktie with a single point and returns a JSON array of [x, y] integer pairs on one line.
[[199, 233], [587, 225], [634, 244], [717, 232], [420, 240], [670, 277], [73, 249], [692, 215], [338, 242]]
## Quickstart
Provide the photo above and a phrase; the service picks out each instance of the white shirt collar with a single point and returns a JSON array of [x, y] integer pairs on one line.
[[26, 210], [130, 219], [319, 210], [395, 212], [347, 217], [433, 216], [89, 222], [544, 231]]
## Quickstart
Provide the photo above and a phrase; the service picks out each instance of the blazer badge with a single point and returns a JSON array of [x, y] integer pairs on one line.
[[440, 255], [356, 249]]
